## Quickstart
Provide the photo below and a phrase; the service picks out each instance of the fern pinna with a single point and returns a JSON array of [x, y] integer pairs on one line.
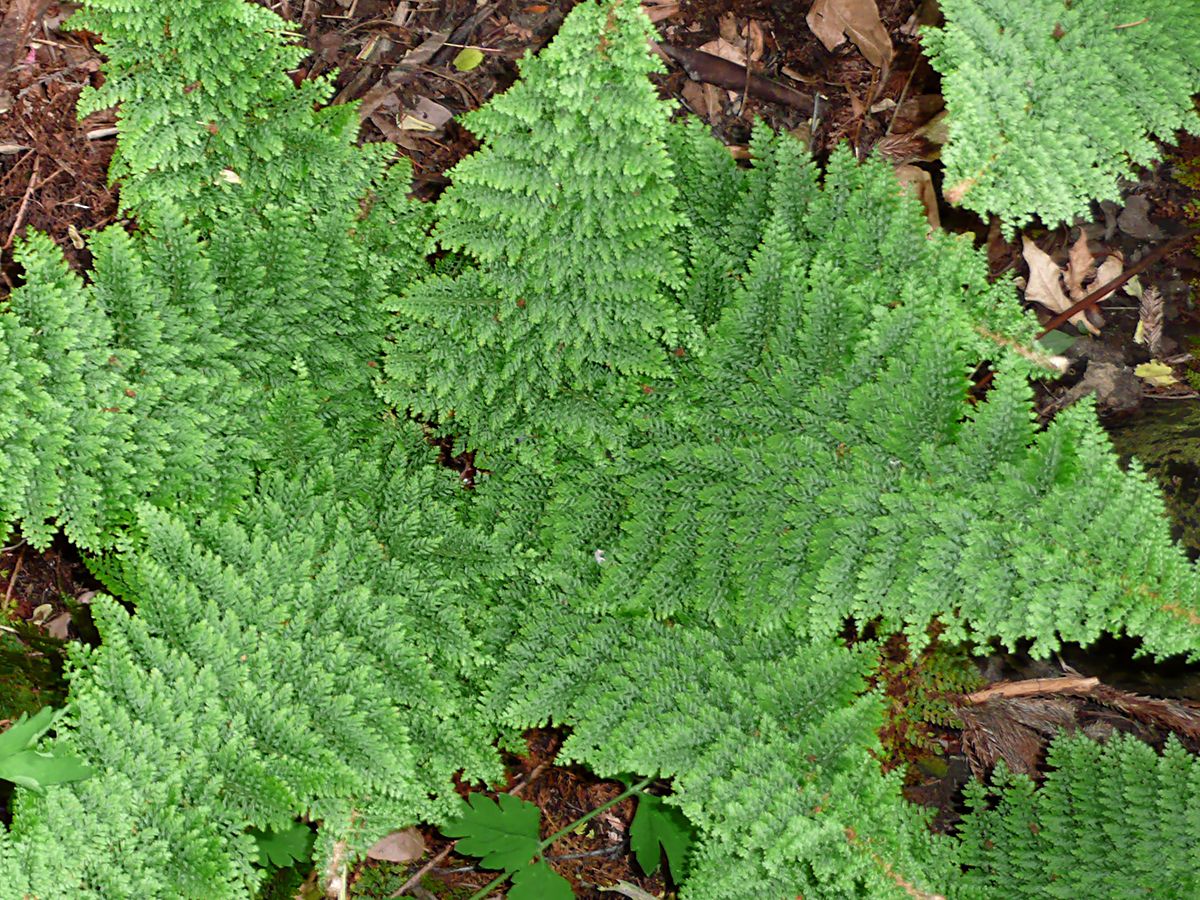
[[734, 417]]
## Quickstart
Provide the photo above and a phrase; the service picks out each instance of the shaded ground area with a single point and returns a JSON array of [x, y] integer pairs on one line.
[[398, 59]]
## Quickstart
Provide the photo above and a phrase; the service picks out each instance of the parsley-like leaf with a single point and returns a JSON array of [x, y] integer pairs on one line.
[[539, 882], [284, 847], [504, 835], [657, 824]]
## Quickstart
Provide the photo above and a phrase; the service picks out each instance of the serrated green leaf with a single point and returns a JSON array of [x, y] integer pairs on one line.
[[284, 847], [35, 771], [25, 732], [468, 58], [656, 824], [539, 882], [504, 835]]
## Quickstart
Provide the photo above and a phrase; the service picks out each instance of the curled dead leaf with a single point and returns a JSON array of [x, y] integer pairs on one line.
[[833, 21], [920, 183], [728, 28], [59, 625], [399, 846], [1081, 266], [427, 115], [658, 10], [1109, 270], [1045, 284]]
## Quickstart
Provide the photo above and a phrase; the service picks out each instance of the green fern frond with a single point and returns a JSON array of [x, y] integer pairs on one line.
[[1051, 103]]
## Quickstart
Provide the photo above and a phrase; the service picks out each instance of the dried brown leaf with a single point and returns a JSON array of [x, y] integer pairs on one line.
[[726, 50], [920, 183], [713, 101], [1081, 266], [696, 98], [1150, 318], [727, 27], [1045, 283], [427, 115], [833, 21], [58, 626], [399, 847], [758, 40], [1109, 270], [1012, 729], [658, 10], [1171, 714]]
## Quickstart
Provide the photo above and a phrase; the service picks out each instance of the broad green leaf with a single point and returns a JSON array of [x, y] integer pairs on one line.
[[539, 882], [657, 824], [1057, 342], [26, 732], [468, 58], [282, 848], [504, 835], [35, 771]]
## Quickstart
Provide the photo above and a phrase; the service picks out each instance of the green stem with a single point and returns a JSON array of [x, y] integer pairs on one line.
[[487, 888], [624, 795]]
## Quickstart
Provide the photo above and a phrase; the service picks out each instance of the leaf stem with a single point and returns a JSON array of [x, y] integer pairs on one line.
[[587, 817]]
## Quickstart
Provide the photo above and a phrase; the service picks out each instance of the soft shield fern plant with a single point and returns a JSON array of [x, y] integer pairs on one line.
[[729, 416]]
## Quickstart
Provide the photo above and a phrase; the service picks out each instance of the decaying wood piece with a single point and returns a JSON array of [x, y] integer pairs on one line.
[[18, 24], [710, 69], [1075, 684]]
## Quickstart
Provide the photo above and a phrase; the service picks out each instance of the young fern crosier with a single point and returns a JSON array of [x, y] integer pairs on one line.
[[323, 627]]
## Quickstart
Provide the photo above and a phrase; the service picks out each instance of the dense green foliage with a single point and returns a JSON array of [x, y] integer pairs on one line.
[[315, 622], [1052, 101], [526, 341], [1114, 820]]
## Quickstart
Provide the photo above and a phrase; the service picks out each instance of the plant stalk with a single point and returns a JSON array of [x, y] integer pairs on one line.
[[624, 795]]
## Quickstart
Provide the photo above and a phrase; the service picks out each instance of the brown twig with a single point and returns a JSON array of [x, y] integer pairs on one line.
[[1053, 363], [17, 23], [308, 14], [1074, 684], [412, 882], [18, 221], [460, 34], [1104, 290], [706, 67], [13, 580]]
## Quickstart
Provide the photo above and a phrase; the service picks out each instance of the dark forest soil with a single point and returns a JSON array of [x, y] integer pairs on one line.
[[396, 58]]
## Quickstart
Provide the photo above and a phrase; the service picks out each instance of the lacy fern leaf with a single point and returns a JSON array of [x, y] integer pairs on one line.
[[1051, 103], [710, 445]]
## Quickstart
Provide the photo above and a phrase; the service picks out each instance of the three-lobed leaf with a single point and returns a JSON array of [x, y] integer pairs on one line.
[[21, 764], [539, 882], [284, 847], [657, 825], [26, 731]]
